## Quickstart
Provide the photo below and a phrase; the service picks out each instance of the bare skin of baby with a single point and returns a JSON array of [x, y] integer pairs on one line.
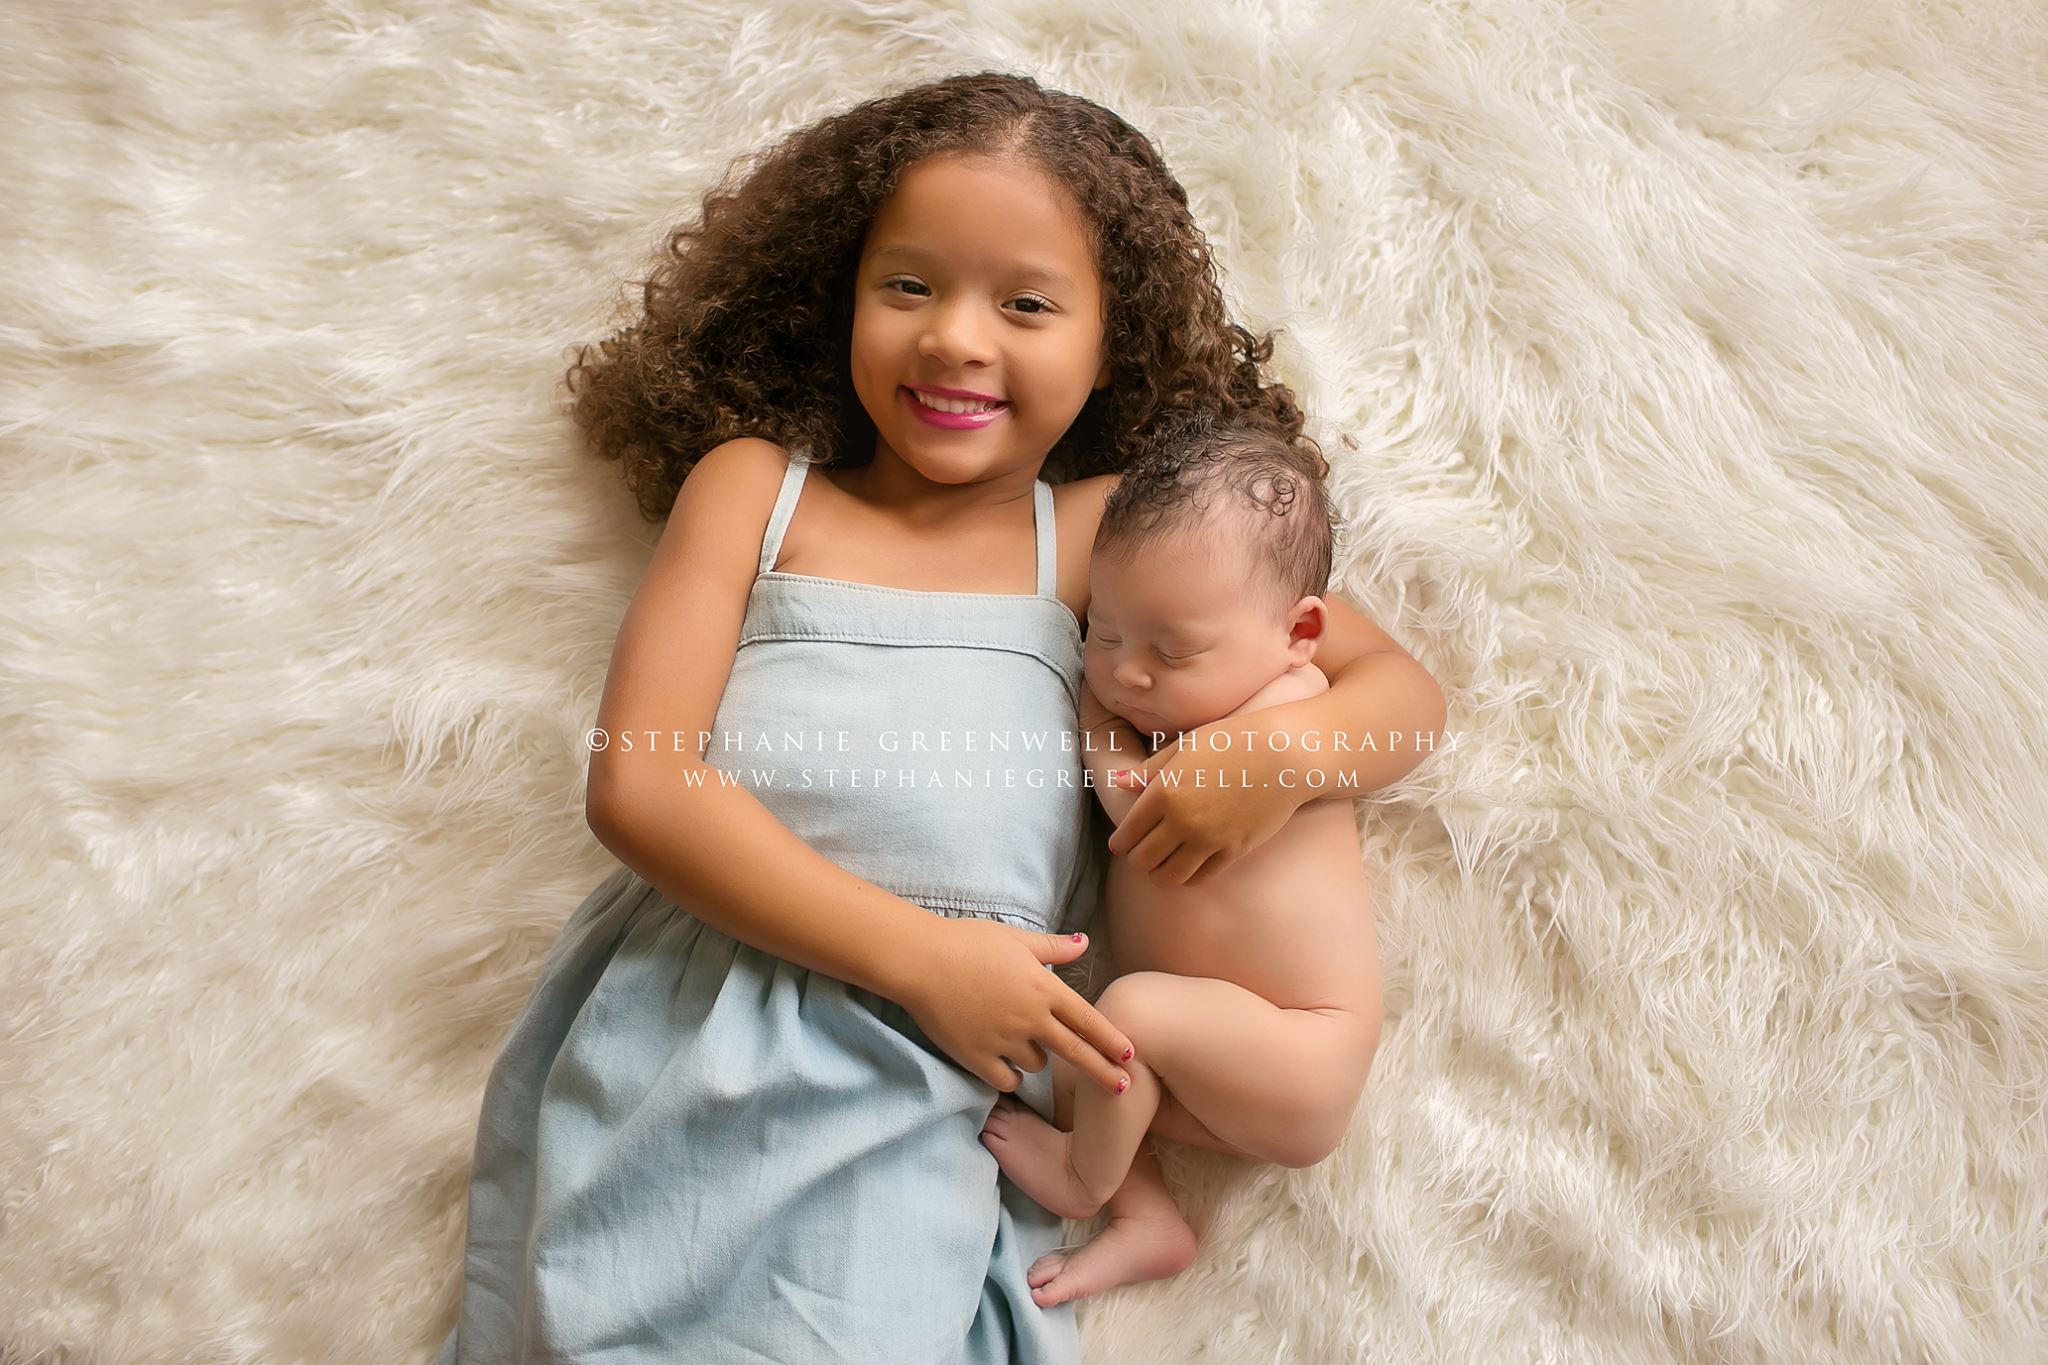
[[1251, 998]]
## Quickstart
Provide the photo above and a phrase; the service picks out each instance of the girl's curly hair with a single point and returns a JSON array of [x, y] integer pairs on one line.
[[745, 322]]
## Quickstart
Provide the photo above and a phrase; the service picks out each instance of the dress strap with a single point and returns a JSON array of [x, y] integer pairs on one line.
[[785, 504], [1048, 538]]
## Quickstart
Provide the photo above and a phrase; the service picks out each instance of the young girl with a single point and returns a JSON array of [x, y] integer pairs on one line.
[[739, 1119]]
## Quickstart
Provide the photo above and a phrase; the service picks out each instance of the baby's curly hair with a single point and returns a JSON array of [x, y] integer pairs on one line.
[[745, 322], [1254, 490]]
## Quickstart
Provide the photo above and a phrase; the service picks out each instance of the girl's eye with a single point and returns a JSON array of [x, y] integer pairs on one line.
[[1044, 305]]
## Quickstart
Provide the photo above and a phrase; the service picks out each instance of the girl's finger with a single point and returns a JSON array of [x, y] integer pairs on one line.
[[1180, 869], [1139, 821], [1097, 1048], [1152, 850], [1090, 1062]]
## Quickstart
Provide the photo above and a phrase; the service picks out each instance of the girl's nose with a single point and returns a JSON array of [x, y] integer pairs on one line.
[[1130, 675], [955, 336]]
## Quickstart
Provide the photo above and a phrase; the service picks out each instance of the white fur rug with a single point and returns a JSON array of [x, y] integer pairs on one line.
[[1698, 362]]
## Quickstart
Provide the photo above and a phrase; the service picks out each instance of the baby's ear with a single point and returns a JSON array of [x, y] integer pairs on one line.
[[1308, 621]]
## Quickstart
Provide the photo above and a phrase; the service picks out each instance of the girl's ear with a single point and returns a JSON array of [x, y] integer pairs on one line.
[[1102, 375]]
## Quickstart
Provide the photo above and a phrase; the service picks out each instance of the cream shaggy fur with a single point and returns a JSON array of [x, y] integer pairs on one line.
[[1697, 355]]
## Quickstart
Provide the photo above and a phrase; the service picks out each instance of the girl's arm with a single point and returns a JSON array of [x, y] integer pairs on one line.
[[1382, 715], [662, 810], [977, 988]]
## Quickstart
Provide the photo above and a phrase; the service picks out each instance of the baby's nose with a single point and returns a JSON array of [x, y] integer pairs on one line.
[[1130, 675]]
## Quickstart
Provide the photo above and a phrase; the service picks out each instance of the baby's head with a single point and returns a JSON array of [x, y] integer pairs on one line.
[[1207, 574]]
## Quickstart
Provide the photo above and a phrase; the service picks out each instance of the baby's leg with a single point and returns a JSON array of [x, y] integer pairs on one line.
[[1173, 1121], [1074, 1174], [1262, 1078], [1145, 1239], [1278, 1082]]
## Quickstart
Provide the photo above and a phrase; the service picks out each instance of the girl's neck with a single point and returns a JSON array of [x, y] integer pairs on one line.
[[892, 487]]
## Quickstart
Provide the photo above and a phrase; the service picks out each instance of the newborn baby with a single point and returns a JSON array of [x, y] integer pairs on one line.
[[1252, 997]]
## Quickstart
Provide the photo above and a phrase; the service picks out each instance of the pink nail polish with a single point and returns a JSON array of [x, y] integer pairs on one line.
[[1122, 1081], [1079, 937], [1128, 1052]]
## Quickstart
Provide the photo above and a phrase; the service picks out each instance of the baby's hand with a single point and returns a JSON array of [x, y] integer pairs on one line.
[[1111, 743]]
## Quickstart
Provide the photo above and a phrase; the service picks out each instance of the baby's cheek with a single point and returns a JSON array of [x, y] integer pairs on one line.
[[1093, 671]]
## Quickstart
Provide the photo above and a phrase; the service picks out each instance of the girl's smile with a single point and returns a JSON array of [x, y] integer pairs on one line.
[[954, 414]]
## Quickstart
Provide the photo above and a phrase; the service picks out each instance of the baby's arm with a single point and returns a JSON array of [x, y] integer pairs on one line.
[[1114, 742], [1109, 742], [1296, 684]]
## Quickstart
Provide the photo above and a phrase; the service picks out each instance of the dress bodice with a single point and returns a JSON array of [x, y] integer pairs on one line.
[[924, 741]]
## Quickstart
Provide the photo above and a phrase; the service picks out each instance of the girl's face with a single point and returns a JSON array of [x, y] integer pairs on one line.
[[976, 277]]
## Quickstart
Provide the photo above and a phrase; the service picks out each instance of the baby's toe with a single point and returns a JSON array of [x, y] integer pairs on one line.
[[1044, 1268]]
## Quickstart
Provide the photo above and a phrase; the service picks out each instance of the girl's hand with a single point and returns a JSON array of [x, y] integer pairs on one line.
[[1183, 831], [983, 995]]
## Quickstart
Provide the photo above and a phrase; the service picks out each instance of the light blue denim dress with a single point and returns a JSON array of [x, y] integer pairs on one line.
[[693, 1151]]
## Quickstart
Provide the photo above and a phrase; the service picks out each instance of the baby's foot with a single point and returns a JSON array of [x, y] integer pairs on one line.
[[1039, 1157], [1130, 1250]]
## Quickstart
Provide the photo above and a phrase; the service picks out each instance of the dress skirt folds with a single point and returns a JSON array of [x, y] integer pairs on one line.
[[691, 1150]]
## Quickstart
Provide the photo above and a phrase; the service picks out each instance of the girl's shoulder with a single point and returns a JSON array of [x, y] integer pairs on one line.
[[1079, 503], [1077, 511], [723, 508], [740, 470], [1077, 507], [750, 452]]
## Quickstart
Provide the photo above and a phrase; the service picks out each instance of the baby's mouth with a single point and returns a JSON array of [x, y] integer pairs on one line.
[[1141, 718]]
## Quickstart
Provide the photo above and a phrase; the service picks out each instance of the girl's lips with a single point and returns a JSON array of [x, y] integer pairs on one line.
[[951, 421]]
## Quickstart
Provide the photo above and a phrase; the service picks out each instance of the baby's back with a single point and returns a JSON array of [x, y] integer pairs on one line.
[[1291, 921]]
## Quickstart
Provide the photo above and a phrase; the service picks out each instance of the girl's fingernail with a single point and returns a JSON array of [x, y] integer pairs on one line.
[[1127, 1053], [1079, 937], [1122, 1081]]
